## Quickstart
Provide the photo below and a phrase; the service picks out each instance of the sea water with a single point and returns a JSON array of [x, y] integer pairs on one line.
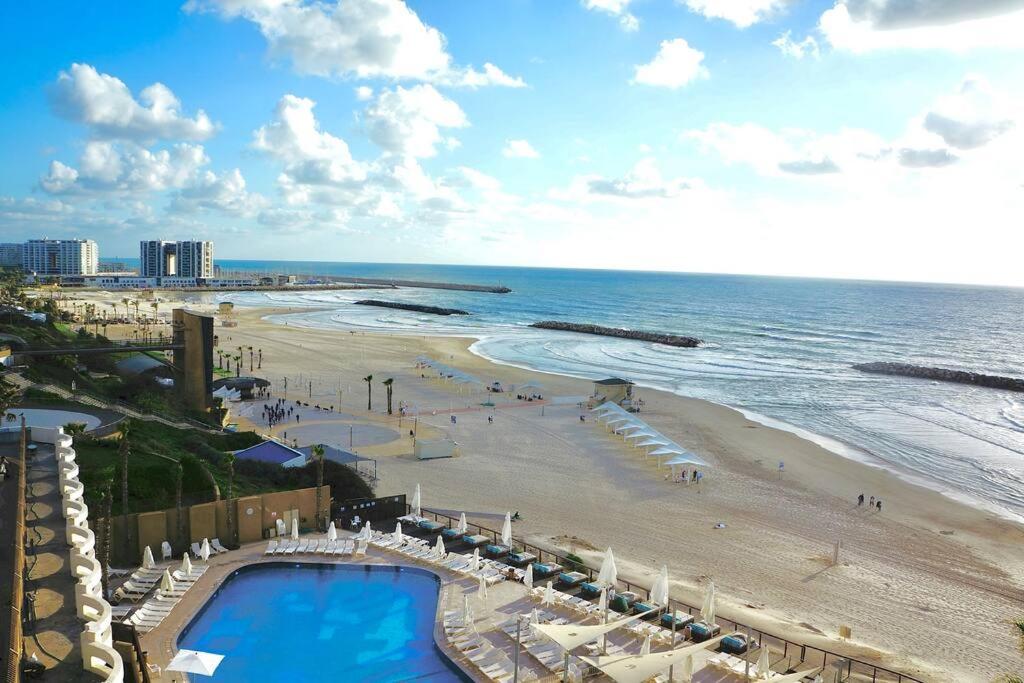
[[779, 349]]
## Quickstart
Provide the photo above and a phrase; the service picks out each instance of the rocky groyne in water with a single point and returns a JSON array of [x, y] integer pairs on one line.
[[436, 310], [639, 335], [943, 375]]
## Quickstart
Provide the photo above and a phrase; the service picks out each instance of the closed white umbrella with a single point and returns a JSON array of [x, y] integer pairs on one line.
[[186, 564], [528, 577], [645, 649], [475, 563], [439, 547], [332, 533], [463, 526], [295, 528], [467, 612], [167, 583], [147, 559], [602, 602], [416, 501], [764, 663], [535, 617], [506, 530], [204, 550], [549, 595], [195, 662], [481, 591], [398, 533], [367, 531], [608, 574], [659, 590], [707, 611]]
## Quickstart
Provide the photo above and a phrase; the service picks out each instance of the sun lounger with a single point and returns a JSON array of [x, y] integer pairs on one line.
[[303, 546], [429, 526], [216, 545], [271, 547], [571, 579], [701, 631], [521, 559], [496, 550], [196, 549], [450, 534], [321, 547], [735, 644], [475, 540], [542, 570], [682, 620], [361, 548]]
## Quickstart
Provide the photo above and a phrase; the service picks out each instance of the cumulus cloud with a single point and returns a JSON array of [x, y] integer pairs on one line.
[[643, 181], [675, 65], [808, 47], [809, 166], [364, 93], [926, 158], [742, 13], [116, 168], [355, 39], [952, 25], [225, 192], [105, 104], [408, 121], [519, 149], [615, 8]]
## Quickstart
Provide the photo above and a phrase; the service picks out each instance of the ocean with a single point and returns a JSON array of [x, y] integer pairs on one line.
[[778, 349]]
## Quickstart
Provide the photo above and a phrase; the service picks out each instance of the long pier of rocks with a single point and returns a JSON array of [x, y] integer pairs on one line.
[[436, 310], [943, 375], [639, 335]]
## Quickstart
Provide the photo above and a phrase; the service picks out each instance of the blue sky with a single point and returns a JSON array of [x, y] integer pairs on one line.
[[836, 138]]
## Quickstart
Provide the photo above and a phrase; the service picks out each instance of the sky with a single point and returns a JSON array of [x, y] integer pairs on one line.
[[875, 139]]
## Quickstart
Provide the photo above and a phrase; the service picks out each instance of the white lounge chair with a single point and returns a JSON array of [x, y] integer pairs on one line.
[[215, 545], [271, 548], [196, 549], [165, 549]]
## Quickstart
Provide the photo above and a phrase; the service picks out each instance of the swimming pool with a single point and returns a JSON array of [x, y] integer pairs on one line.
[[278, 622]]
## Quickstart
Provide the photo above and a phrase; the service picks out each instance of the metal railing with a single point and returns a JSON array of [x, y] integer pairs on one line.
[[836, 668], [15, 648]]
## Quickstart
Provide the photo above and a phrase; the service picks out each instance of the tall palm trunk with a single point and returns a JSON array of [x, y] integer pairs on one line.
[[179, 473], [108, 528], [229, 463], [125, 451], [318, 452]]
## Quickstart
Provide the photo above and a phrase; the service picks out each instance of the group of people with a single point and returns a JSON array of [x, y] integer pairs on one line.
[[277, 412], [531, 397], [686, 476], [873, 502]]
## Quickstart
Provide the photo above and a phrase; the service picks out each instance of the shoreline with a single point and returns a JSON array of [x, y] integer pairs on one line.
[[927, 585]]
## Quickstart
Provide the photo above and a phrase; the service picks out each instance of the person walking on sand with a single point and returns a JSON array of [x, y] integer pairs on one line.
[[860, 500], [871, 502], [878, 505]]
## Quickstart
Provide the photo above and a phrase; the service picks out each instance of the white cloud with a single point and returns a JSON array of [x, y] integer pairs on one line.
[[113, 168], [675, 65], [364, 93], [479, 180], [105, 104], [953, 25], [519, 149], [971, 117], [225, 192], [742, 13], [408, 121], [355, 38], [808, 47], [616, 8], [643, 181]]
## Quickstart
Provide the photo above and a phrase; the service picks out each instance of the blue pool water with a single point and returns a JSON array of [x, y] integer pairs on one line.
[[281, 622]]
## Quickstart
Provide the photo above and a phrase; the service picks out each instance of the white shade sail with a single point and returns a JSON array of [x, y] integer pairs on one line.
[[629, 427], [571, 636], [668, 450], [637, 668], [195, 662], [654, 441], [686, 459], [641, 433]]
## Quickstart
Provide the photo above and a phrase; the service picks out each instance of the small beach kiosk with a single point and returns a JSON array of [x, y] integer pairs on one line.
[[613, 390]]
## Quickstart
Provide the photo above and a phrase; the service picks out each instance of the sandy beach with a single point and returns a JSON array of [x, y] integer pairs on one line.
[[927, 585]]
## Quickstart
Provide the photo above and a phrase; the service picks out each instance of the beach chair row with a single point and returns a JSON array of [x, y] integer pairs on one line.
[[311, 546], [215, 548], [490, 660], [152, 612], [548, 653]]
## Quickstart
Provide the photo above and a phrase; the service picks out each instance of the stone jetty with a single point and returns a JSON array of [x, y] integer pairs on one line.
[[436, 310], [639, 335], [943, 375]]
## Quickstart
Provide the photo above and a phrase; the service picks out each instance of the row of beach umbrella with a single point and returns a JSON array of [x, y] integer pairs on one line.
[[639, 434]]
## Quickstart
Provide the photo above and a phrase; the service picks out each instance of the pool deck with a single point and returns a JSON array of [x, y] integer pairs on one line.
[[505, 599]]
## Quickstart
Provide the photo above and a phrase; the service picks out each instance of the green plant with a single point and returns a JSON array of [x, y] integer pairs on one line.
[[74, 428]]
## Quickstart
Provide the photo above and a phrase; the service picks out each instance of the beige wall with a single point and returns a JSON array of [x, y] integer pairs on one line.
[[210, 520]]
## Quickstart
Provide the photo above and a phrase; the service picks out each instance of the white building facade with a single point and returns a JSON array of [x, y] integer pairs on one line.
[[188, 259], [48, 258]]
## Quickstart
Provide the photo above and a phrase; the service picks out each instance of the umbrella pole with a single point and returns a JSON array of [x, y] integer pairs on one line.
[[746, 660], [565, 668], [671, 669], [519, 629]]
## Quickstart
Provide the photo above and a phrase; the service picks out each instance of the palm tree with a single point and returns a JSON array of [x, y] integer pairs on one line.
[[126, 301], [318, 453], [124, 450], [107, 527], [229, 465], [369, 392], [238, 365], [387, 384], [178, 474], [250, 358]]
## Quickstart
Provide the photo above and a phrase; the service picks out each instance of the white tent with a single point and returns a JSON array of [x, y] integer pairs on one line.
[[506, 531], [195, 662]]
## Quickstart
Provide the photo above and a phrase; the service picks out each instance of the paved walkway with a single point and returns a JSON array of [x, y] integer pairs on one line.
[[52, 630]]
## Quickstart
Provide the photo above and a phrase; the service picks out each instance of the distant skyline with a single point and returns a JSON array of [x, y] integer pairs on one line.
[[863, 139]]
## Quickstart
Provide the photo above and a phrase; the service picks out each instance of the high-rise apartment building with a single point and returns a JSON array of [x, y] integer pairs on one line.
[[10, 254], [48, 257], [160, 258]]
